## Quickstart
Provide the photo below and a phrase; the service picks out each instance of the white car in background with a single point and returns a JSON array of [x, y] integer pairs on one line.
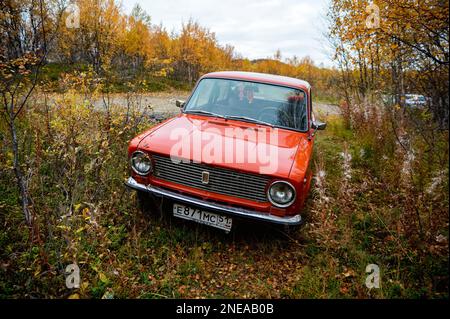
[[415, 100]]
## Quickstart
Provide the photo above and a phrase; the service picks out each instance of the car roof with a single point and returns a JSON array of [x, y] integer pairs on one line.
[[260, 77]]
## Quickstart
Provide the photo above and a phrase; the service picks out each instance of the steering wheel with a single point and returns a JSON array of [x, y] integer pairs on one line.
[[275, 115]]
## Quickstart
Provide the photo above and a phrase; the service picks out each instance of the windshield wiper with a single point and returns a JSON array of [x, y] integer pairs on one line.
[[248, 119], [205, 113], [230, 117]]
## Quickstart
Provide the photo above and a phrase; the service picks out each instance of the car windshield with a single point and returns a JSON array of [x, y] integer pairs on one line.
[[250, 101]]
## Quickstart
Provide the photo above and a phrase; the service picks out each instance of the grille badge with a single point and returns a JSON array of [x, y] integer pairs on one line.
[[205, 177]]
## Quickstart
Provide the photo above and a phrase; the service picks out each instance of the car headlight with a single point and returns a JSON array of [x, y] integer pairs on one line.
[[281, 194], [141, 163]]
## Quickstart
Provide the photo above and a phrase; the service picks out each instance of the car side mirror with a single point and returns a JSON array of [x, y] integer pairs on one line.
[[316, 125], [179, 103]]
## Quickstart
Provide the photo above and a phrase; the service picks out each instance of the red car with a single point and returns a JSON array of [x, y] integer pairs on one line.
[[240, 148]]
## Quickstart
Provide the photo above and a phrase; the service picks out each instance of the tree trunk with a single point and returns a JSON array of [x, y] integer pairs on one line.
[[21, 180], [189, 74]]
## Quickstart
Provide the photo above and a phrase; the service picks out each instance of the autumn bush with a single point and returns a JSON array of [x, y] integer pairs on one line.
[[386, 202], [74, 156]]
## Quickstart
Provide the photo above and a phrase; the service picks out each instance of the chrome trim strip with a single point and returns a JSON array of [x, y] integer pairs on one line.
[[289, 220]]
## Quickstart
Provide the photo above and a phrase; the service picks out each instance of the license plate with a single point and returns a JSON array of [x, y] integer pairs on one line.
[[202, 217]]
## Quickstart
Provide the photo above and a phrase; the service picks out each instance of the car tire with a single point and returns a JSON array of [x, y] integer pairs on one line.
[[290, 230], [148, 203]]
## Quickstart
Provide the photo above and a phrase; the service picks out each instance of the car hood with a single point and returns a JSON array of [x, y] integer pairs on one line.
[[229, 144]]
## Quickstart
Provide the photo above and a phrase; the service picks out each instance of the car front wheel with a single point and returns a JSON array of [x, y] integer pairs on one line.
[[148, 203]]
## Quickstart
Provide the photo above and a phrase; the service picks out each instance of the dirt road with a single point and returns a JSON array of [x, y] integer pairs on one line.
[[163, 104]]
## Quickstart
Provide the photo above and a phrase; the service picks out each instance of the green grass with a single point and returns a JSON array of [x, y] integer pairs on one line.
[[325, 99], [52, 74]]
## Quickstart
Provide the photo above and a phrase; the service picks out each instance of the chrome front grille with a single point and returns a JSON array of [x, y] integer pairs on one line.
[[221, 181]]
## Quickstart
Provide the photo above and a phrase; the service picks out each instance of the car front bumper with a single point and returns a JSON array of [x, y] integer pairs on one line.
[[220, 208]]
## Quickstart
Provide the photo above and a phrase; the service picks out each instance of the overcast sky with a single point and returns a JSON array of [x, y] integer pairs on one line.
[[256, 28]]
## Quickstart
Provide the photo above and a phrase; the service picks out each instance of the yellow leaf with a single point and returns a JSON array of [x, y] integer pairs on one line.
[[85, 211], [103, 277], [74, 296], [76, 207]]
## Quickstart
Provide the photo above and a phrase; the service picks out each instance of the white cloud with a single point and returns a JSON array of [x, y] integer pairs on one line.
[[256, 28]]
